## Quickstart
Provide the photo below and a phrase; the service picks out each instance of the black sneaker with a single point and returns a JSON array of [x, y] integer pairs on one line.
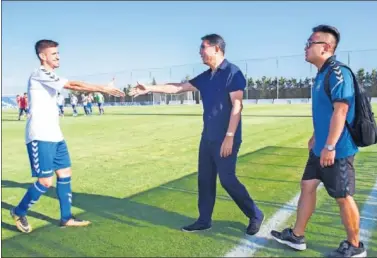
[[21, 222], [254, 226], [196, 226], [346, 249], [287, 237]]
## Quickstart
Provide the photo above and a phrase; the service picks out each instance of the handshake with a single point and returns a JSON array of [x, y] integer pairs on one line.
[[138, 90], [113, 91]]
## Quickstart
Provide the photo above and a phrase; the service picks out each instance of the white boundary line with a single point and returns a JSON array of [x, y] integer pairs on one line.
[[369, 210], [286, 206], [250, 244]]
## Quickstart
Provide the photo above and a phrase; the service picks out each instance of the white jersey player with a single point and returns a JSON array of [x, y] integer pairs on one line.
[[48, 152], [74, 101]]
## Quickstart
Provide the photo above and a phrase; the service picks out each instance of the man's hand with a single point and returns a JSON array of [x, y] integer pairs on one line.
[[327, 158], [311, 143], [226, 147], [113, 91], [138, 90]]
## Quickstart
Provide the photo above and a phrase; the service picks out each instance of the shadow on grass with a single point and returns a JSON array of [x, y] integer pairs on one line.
[[108, 211], [197, 114]]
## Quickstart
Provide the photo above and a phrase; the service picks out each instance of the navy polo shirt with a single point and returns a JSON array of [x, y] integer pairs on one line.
[[217, 105], [342, 90]]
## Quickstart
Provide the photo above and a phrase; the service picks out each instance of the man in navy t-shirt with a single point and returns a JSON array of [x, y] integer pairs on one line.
[[221, 88], [331, 146]]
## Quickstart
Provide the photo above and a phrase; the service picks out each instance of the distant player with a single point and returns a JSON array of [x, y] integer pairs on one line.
[[18, 100], [74, 101], [47, 149], [99, 99], [22, 105], [84, 100], [26, 105], [89, 105], [60, 101]]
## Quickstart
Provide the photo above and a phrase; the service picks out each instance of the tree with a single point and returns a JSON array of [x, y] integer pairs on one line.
[[373, 75], [368, 80], [360, 76], [258, 84], [300, 84], [127, 88], [307, 82], [282, 82], [373, 78], [186, 79], [250, 83], [265, 87], [294, 83]]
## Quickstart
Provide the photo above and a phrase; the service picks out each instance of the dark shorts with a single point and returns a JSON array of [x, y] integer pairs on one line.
[[22, 110], [338, 179]]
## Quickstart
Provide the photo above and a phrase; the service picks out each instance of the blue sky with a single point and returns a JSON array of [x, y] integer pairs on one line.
[[98, 39]]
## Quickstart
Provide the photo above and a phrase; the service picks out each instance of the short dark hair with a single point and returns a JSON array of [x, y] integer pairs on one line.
[[215, 40], [329, 29], [43, 44]]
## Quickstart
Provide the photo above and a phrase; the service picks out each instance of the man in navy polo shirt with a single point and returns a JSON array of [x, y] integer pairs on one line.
[[331, 147], [221, 88]]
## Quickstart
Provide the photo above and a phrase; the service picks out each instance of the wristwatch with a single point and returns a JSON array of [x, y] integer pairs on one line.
[[329, 147], [230, 134]]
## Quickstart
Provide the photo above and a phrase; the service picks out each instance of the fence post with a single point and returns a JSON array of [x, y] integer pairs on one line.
[[277, 78], [247, 83], [349, 58]]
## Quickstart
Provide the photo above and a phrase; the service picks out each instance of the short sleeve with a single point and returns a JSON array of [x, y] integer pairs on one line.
[[199, 80], [238, 82], [49, 79], [341, 85]]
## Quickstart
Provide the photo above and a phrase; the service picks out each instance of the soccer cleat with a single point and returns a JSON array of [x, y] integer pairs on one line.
[[254, 226], [346, 249], [21, 222], [74, 222], [286, 237], [196, 226]]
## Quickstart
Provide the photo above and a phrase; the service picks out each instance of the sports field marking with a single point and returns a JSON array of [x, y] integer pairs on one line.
[[250, 244], [367, 217], [369, 209]]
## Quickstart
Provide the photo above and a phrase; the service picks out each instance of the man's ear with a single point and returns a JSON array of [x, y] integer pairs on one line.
[[42, 56], [328, 48], [217, 49]]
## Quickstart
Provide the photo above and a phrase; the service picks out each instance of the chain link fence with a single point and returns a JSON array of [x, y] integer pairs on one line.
[[267, 78]]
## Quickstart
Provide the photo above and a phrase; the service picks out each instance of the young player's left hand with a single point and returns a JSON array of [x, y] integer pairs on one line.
[[114, 91]]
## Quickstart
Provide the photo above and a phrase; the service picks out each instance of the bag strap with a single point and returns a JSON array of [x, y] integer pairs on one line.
[[333, 68]]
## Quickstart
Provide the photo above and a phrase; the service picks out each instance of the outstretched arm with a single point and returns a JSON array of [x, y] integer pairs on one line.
[[170, 88], [86, 87], [51, 80]]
